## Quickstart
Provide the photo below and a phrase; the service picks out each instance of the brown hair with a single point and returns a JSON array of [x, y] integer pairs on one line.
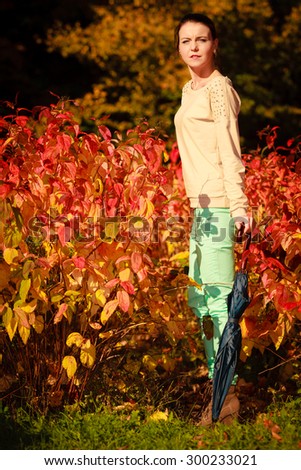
[[195, 18]]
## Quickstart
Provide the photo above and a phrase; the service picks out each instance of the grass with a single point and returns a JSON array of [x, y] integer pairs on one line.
[[92, 426]]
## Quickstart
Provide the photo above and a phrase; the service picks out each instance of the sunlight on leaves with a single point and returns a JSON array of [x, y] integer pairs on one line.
[[69, 364]]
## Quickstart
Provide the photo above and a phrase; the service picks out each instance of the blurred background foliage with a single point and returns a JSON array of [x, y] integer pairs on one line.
[[117, 59]]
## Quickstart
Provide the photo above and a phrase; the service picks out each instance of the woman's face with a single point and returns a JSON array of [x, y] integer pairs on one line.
[[196, 46]]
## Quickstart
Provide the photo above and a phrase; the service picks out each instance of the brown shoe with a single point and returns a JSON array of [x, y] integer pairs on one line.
[[228, 412], [230, 407]]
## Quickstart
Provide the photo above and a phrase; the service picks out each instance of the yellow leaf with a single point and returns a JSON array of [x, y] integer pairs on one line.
[[75, 338], [72, 293], [243, 328], [69, 363], [165, 156], [36, 280], [125, 275], [111, 230], [107, 334], [56, 298], [11, 328], [27, 308], [13, 236], [9, 254], [7, 316], [24, 333], [159, 415], [87, 355], [7, 141], [108, 310], [10, 323], [100, 297], [86, 344], [182, 257]]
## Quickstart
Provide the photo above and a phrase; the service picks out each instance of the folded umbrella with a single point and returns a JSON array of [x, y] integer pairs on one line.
[[230, 341]]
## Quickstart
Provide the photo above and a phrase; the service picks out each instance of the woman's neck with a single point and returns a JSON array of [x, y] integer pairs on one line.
[[201, 79]]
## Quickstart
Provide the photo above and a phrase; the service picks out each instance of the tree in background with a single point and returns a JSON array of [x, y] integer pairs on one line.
[[140, 75], [117, 58]]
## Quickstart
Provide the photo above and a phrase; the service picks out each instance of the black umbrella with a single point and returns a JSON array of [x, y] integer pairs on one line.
[[230, 341]]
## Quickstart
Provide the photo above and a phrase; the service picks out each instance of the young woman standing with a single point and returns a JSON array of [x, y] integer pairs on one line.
[[209, 145]]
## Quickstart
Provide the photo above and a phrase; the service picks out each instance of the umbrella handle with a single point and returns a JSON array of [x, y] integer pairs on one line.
[[246, 244]]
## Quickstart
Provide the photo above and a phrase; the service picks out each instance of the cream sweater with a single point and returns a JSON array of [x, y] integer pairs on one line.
[[208, 140]]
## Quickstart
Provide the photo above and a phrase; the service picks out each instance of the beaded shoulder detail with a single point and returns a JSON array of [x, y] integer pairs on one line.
[[218, 97]]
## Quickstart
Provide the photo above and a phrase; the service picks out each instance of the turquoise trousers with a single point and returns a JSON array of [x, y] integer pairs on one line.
[[211, 263]]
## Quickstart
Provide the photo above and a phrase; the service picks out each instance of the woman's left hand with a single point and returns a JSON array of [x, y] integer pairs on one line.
[[244, 226]]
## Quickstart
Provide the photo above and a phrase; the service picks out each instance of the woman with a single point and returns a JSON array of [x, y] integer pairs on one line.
[[208, 140]]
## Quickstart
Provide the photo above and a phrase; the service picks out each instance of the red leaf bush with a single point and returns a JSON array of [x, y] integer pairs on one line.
[[94, 237], [273, 186], [86, 219]]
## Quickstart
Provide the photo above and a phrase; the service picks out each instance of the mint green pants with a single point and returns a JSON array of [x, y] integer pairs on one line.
[[211, 263]]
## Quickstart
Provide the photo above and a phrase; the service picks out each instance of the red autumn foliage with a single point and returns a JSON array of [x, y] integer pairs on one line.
[[273, 185], [94, 236], [85, 218]]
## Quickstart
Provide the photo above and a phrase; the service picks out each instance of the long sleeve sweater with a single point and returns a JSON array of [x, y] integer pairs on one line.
[[208, 140]]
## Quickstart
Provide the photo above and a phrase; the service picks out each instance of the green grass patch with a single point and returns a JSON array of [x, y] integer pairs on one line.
[[88, 427]]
